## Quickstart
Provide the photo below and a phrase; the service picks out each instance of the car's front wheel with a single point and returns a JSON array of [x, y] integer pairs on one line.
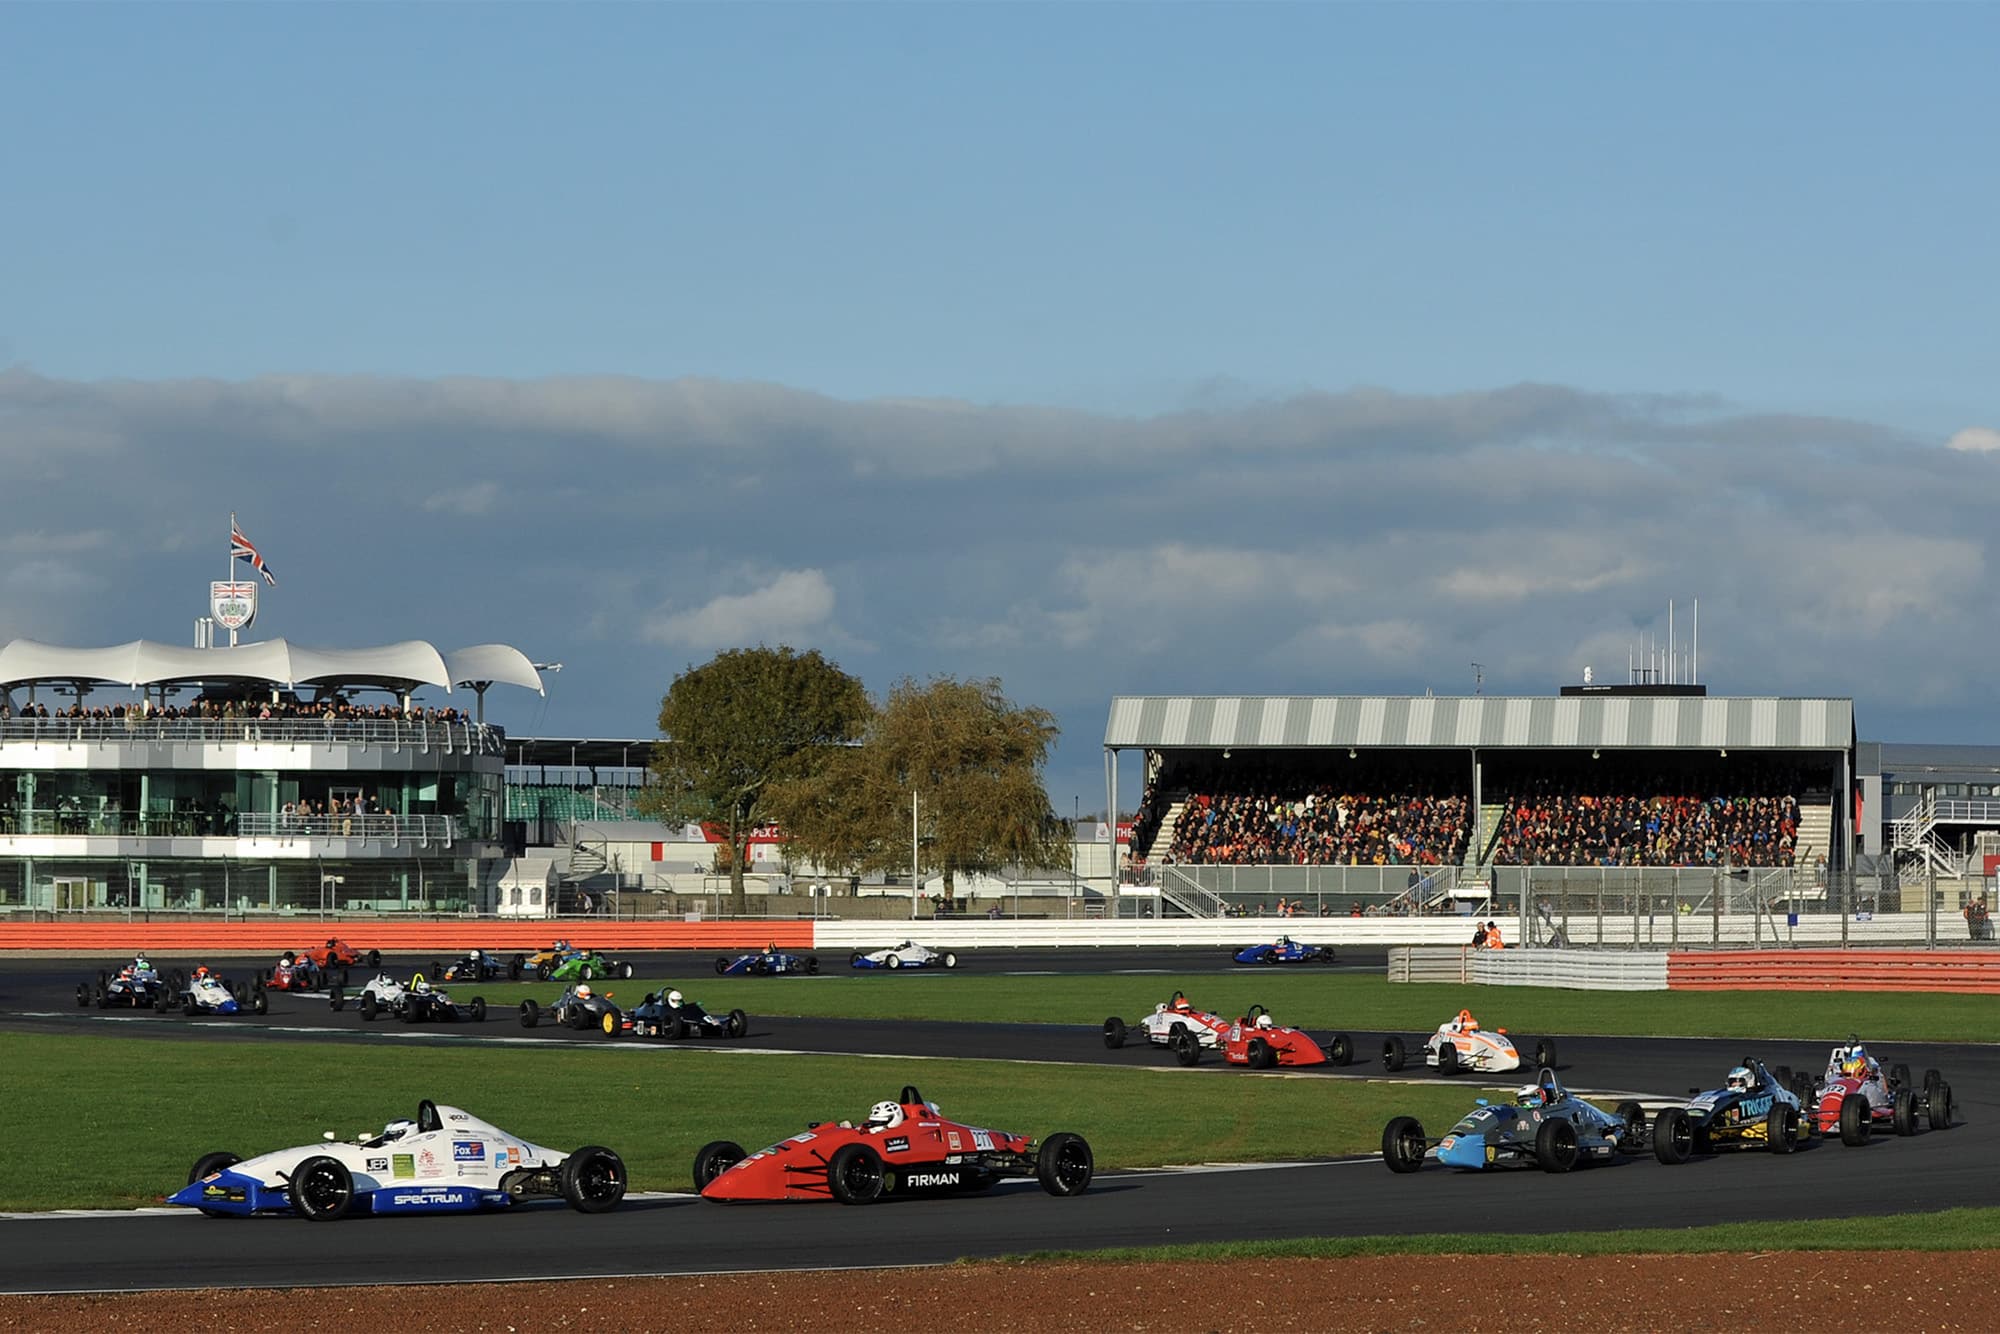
[[711, 1160], [206, 1165], [1556, 1148], [1781, 1128], [592, 1179], [1673, 1136], [854, 1174], [1114, 1032], [1064, 1164], [1854, 1122], [321, 1189], [739, 1024], [1392, 1054], [531, 1014], [1403, 1144], [478, 1009]]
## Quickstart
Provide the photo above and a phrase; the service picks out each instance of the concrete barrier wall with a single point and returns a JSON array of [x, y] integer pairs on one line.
[[1835, 970], [1583, 970]]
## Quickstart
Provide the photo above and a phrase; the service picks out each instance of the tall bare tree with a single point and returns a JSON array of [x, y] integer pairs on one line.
[[746, 719], [973, 760]]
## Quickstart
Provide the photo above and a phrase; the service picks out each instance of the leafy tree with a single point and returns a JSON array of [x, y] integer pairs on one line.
[[744, 720], [974, 760]]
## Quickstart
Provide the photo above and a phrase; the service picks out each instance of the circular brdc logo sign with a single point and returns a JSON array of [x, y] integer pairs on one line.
[[233, 605]]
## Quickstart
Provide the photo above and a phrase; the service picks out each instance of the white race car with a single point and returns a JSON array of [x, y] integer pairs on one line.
[[1460, 1044], [446, 1161], [1169, 1025], [382, 994], [909, 954]]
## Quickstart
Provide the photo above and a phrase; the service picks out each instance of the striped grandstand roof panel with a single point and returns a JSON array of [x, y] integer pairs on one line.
[[1652, 722]]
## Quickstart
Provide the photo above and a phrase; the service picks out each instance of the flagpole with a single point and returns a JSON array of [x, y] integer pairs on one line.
[[232, 566]]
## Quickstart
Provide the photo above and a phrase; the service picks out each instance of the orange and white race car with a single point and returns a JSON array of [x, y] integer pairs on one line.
[[1460, 1044]]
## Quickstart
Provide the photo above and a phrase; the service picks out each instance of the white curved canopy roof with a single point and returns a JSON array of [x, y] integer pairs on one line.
[[142, 662]]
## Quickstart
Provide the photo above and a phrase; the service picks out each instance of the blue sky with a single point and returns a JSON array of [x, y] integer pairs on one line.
[[950, 333]]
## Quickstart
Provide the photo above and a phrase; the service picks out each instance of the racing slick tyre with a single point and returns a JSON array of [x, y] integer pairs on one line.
[[1339, 1049], [950, 959], [103, 997], [1064, 1164], [83, 994], [437, 972], [1932, 1078], [1187, 1048], [1556, 1148], [189, 1007], [895, 961], [164, 1003], [531, 1014], [1781, 1128], [1447, 1059], [760, 968], [1899, 1075], [374, 958], [411, 1010], [1854, 1120], [321, 1189], [714, 1158], [260, 1000], [369, 1006], [675, 1026], [1260, 1055], [1403, 1144], [1392, 1054], [478, 1009], [586, 973], [739, 1024], [624, 970], [721, 965], [1114, 1032], [514, 967], [1673, 1137], [1903, 1114], [1634, 1130], [592, 1179], [1545, 1054], [209, 1163], [608, 1023], [1801, 1085], [854, 1174], [812, 963], [855, 960], [1941, 1106], [542, 971]]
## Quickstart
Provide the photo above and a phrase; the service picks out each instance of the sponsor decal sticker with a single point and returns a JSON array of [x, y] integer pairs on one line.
[[231, 1193], [982, 1139], [915, 1179], [467, 1150], [951, 1138], [513, 1154], [804, 1136], [458, 1116], [896, 1145], [377, 1165], [428, 1164], [405, 1165], [422, 1197]]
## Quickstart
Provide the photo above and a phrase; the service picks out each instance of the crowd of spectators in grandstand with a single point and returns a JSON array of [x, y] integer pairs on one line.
[[1666, 816], [328, 710], [1271, 812]]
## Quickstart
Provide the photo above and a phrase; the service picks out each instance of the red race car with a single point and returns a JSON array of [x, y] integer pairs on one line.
[[339, 954], [1256, 1041], [1856, 1097], [903, 1148], [296, 972]]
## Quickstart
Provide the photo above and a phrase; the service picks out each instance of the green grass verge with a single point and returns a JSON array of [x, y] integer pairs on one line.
[[1323, 1001], [1946, 1230], [113, 1122]]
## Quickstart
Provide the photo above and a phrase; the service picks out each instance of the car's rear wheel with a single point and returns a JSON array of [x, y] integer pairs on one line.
[[585, 972], [83, 994], [1634, 1128], [321, 1189], [1781, 1128], [1854, 1119], [1903, 1113], [895, 961], [514, 967], [370, 1007], [1899, 1075], [1556, 1147], [1392, 1054], [812, 963], [1339, 1049], [854, 1174], [592, 1179], [625, 971], [1403, 1144], [1673, 1136], [711, 1160], [260, 1000], [1941, 1106], [1545, 1054], [542, 971], [721, 965], [950, 959], [1064, 1164], [1114, 1032]]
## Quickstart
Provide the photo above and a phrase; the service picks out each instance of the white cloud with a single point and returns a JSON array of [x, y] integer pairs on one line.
[[471, 500], [794, 608], [1975, 440]]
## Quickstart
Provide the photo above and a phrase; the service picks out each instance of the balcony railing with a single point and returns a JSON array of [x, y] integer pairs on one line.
[[418, 830], [450, 738]]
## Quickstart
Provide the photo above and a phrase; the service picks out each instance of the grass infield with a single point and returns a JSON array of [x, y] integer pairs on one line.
[[1316, 1000], [113, 1122]]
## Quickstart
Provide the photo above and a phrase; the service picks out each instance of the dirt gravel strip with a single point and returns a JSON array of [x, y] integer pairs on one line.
[[1911, 1292]]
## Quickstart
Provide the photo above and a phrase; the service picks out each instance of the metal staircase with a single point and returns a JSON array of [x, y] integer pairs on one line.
[[1181, 890], [1914, 838]]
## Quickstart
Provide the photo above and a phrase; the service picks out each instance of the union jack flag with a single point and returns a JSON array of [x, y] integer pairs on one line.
[[241, 548]]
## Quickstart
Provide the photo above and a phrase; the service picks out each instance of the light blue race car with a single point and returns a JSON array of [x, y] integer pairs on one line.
[[1546, 1126]]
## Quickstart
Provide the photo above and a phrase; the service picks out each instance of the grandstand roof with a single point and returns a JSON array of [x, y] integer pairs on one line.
[[1453, 722], [560, 752], [143, 662]]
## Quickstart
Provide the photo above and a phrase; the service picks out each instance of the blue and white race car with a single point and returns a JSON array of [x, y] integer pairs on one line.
[[909, 954], [446, 1161], [207, 993], [1284, 950], [766, 963], [1546, 1126]]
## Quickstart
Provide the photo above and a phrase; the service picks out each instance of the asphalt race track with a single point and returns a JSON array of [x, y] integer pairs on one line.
[[681, 1234]]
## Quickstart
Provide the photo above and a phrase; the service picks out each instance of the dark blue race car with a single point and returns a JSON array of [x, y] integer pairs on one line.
[[765, 963], [1284, 950], [1547, 1126]]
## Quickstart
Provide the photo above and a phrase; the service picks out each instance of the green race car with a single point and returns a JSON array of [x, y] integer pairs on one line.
[[586, 966]]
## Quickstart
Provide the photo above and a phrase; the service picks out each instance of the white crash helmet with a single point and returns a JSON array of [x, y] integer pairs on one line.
[[422, 988], [473, 955], [674, 1000], [583, 991], [1264, 1021], [885, 1114]]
